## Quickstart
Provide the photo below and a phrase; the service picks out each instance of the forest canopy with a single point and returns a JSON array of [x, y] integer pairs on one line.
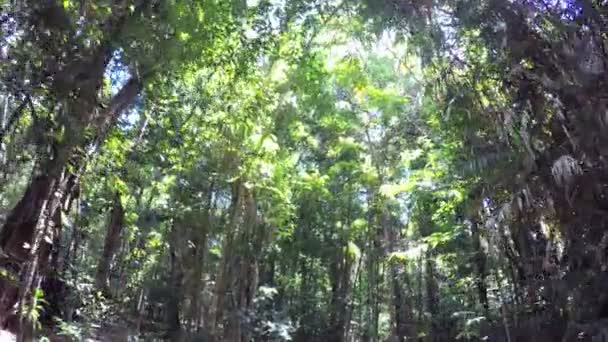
[[292, 170]]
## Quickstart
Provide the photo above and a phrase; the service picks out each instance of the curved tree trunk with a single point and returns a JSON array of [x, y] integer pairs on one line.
[[46, 194], [29, 231]]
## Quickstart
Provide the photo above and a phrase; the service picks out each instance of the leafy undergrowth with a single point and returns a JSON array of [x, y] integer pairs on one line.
[[95, 318]]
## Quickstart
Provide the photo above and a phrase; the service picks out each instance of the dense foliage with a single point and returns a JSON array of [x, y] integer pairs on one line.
[[205, 170]]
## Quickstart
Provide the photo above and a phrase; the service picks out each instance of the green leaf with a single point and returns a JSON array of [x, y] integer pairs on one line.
[[409, 254], [392, 190], [352, 251]]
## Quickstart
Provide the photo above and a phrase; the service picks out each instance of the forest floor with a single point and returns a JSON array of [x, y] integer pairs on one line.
[[106, 334], [7, 336]]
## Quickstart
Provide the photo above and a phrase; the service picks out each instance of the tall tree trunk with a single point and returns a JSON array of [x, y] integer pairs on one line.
[[479, 259], [111, 246], [402, 314], [224, 272], [402, 308], [199, 225], [304, 293], [351, 303], [432, 299], [373, 278], [197, 263], [420, 305], [247, 250], [340, 273], [175, 283], [217, 312]]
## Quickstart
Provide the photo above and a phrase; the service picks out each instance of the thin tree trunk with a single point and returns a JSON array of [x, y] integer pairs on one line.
[[371, 333], [176, 279], [111, 246], [504, 312], [197, 282], [217, 313], [12, 120], [3, 124], [140, 308], [351, 303], [432, 299], [480, 266], [419, 290], [4, 115]]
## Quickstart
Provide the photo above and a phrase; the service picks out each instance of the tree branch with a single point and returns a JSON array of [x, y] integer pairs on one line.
[[119, 103]]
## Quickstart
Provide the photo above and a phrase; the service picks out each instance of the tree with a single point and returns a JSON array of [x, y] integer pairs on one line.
[[303, 170]]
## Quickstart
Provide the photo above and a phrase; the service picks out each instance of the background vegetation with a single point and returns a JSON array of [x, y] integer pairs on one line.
[[202, 170]]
